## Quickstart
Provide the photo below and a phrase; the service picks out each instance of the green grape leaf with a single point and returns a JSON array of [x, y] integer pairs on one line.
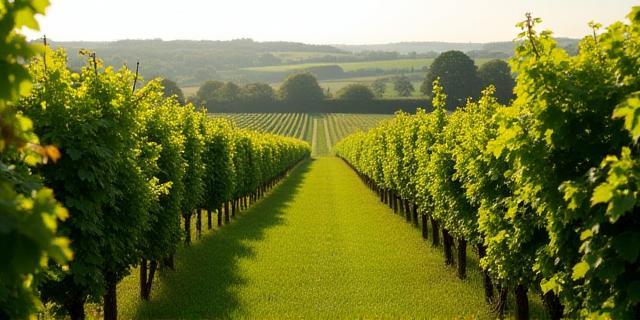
[[586, 234], [620, 205], [629, 110], [40, 5], [602, 194], [580, 270], [25, 18], [550, 285]]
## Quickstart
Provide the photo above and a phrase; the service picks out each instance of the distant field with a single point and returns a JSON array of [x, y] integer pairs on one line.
[[189, 91], [417, 64], [336, 84], [351, 66], [321, 130], [293, 56]]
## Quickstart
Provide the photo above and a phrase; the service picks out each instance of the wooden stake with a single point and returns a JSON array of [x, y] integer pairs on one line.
[[136, 78]]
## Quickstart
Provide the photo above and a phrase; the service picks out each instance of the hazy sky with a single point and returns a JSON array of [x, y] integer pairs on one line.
[[321, 21]]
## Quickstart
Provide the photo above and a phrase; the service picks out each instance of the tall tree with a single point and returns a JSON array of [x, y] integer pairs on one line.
[[301, 87], [403, 86], [208, 91], [171, 89], [497, 73], [229, 92], [258, 92], [458, 75], [379, 86]]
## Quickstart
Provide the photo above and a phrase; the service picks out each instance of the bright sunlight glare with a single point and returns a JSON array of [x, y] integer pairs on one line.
[[322, 22]]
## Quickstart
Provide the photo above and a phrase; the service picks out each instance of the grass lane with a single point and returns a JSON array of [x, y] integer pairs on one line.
[[320, 246]]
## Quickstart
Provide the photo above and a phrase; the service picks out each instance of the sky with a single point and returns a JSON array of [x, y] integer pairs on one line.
[[321, 21]]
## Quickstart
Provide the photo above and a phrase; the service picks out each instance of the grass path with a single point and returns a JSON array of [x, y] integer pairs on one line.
[[319, 246]]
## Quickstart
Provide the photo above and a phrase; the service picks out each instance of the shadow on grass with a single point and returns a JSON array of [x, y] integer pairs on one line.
[[206, 279]]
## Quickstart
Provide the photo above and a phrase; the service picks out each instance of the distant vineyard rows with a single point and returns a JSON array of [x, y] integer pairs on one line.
[[322, 130]]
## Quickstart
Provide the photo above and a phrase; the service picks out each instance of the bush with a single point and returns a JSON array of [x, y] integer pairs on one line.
[[301, 87], [355, 91]]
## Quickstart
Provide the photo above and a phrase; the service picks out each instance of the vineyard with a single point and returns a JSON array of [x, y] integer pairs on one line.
[[322, 131], [118, 200], [544, 189]]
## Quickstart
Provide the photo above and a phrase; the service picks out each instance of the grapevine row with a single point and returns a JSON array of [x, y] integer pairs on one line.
[[547, 189], [133, 165]]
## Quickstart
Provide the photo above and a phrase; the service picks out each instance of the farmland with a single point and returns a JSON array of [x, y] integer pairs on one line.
[[413, 68], [351, 66]]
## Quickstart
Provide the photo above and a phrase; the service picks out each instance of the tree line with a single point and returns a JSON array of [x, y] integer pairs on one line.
[[100, 174], [457, 72], [194, 62], [545, 188]]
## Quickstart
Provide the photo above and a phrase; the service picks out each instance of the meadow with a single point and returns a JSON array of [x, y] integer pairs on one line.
[[416, 64]]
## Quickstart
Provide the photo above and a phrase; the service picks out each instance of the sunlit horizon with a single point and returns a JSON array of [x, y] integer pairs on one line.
[[332, 22]]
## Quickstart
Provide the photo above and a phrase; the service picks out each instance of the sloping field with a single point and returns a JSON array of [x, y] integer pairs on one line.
[[417, 64]]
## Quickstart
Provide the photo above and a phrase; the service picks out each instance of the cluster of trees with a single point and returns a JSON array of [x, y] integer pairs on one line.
[[128, 166], [214, 92], [462, 79], [298, 87], [401, 85], [456, 71], [546, 189]]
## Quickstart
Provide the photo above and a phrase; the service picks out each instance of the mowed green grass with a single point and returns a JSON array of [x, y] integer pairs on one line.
[[293, 56], [319, 246]]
